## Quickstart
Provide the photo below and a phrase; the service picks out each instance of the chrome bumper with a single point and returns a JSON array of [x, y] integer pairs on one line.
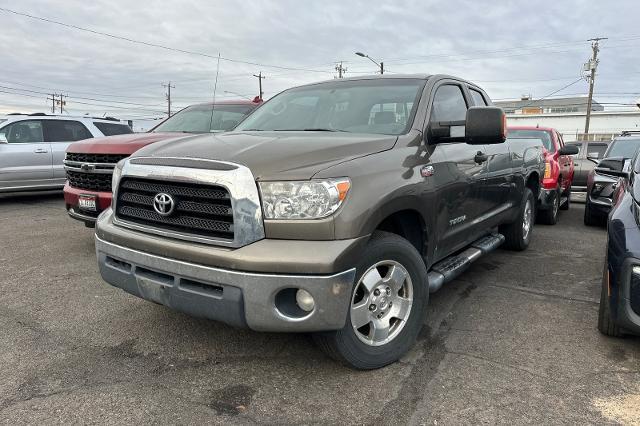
[[234, 297]]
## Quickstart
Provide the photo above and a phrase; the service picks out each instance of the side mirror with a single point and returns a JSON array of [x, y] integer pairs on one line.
[[613, 166], [3, 138], [569, 150], [485, 125]]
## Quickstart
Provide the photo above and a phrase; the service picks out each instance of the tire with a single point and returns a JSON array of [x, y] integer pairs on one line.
[[550, 215], [358, 348], [590, 217], [566, 205], [518, 234], [605, 322]]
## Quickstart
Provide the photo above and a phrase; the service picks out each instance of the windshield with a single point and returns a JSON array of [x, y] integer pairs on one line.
[[538, 134], [198, 119], [625, 148], [380, 106]]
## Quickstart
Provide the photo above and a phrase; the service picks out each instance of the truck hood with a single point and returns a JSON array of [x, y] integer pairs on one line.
[[120, 144], [275, 155]]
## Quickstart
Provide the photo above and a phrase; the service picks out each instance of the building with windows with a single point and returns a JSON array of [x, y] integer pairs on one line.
[[527, 105]]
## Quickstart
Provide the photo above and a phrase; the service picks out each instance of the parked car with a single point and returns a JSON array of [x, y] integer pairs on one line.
[[89, 164], [601, 183], [583, 161], [558, 176], [335, 208], [619, 311], [32, 147]]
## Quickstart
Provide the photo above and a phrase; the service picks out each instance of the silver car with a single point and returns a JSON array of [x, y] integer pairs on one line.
[[32, 147]]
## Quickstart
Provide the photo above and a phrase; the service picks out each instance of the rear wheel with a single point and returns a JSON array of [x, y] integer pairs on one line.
[[387, 306], [605, 322], [550, 215], [518, 234]]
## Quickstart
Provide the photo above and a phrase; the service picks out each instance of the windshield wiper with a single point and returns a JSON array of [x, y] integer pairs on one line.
[[313, 129]]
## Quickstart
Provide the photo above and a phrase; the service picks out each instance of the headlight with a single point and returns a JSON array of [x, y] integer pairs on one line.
[[117, 172], [311, 199]]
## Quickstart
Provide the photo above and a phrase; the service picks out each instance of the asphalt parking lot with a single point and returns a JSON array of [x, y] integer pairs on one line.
[[513, 341]]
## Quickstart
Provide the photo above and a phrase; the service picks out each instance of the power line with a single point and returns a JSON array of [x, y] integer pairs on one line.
[[160, 46]]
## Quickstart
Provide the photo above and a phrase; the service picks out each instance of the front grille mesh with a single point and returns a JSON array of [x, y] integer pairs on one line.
[[201, 210], [95, 158], [89, 181]]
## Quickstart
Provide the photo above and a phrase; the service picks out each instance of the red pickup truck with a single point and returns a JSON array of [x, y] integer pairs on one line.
[[89, 164], [558, 172]]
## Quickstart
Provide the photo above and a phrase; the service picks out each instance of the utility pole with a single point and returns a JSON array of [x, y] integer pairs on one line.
[[592, 65], [62, 102], [260, 77], [53, 102], [169, 87], [341, 70]]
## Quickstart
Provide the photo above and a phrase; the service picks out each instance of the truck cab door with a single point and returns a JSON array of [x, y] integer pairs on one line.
[[459, 193], [25, 158], [498, 178]]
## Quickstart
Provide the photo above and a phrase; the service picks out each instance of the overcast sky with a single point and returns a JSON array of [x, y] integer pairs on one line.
[[509, 48]]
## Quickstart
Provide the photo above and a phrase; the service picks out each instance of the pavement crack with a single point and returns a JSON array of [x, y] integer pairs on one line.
[[498, 363], [546, 294]]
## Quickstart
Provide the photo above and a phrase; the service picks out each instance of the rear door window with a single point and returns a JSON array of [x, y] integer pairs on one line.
[[27, 131], [478, 99], [111, 129], [65, 131]]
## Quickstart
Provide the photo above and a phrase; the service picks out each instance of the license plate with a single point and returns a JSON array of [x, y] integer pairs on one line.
[[87, 202]]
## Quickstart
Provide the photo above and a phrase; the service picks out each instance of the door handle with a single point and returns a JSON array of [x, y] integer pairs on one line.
[[41, 151], [480, 157]]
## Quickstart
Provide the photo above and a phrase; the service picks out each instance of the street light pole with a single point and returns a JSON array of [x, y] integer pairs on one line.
[[380, 65]]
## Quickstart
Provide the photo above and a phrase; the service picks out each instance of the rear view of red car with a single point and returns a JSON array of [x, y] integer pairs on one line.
[[89, 164], [558, 173]]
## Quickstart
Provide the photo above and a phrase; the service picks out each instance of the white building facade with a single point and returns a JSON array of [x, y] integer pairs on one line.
[[603, 125]]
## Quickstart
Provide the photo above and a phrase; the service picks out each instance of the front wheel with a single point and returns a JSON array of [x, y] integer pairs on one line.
[[387, 306], [550, 215], [518, 234]]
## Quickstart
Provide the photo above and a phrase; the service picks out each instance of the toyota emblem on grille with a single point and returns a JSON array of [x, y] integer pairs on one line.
[[163, 204]]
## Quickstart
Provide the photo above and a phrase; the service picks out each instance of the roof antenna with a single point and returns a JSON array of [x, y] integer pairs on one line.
[[215, 87]]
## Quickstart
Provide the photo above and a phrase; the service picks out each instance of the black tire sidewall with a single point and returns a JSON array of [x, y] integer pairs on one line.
[[386, 246]]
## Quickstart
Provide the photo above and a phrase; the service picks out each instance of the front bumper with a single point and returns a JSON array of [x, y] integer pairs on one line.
[[71, 194], [627, 297], [233, 297], [601, 205]]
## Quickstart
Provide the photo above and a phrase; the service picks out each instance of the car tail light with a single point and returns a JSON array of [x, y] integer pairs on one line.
[[547, 169]]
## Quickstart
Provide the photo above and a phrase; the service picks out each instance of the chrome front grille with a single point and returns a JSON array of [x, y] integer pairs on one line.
[[214, 202], [203, 210]]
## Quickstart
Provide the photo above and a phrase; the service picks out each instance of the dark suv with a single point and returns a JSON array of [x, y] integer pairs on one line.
[[601, 183]]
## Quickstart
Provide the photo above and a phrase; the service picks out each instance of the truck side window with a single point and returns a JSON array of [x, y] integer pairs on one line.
[[478, 99], [449, 104], [596, 150]]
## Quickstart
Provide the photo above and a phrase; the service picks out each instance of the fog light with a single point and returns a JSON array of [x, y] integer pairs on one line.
[[305, 300]]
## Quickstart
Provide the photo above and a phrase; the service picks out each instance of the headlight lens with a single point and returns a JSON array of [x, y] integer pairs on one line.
[[311, 199], [117, 172]]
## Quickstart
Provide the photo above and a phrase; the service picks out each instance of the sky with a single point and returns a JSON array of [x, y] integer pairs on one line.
[[509, 48]]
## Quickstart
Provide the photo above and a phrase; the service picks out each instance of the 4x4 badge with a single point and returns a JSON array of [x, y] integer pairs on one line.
[[427, 171]]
